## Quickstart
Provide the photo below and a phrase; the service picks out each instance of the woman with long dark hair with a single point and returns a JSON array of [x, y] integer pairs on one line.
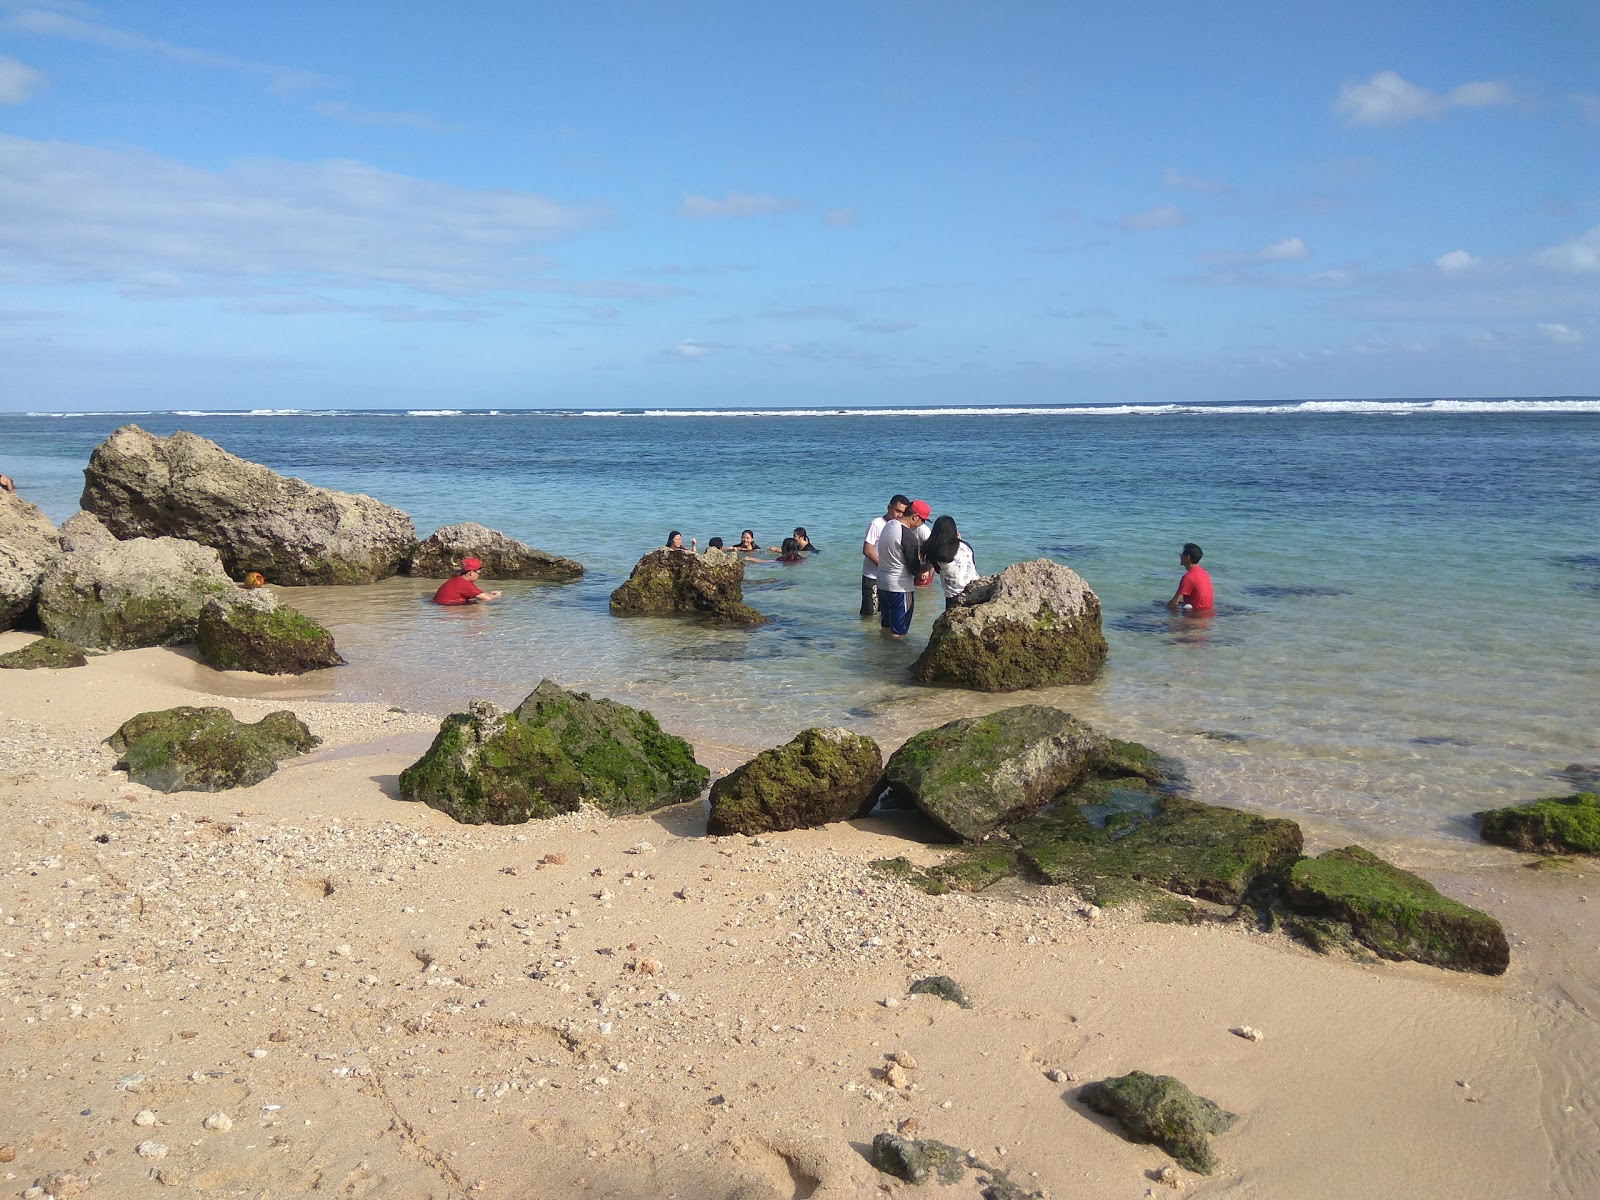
[[951, 556]]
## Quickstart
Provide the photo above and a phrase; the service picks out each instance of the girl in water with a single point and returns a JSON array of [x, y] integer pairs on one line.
[[951, 556]]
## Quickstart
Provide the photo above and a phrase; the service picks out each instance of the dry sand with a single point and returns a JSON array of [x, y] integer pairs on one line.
[[380, 1002]]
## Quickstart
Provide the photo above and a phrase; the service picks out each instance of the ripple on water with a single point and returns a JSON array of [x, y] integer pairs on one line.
[[1286, 591]]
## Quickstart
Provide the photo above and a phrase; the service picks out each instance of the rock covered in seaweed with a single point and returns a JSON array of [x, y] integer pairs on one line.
[[184, 486], [45, 652], [675, 582], [1554, 825], [255, 631], [440, 553], [917, 1161], [1161, 1110], [1034, 624], [188, 749], [557, 749], [28, 545], [823, 775]]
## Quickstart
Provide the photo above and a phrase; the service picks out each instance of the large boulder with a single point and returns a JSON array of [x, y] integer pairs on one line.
[[43, 653], [1033, 625], [206, 749], [1556, 825], [184, 486], [823, 775], [976, 774], [672, 582], [440, 554], [121, 595], [557, 749], [1162, 1110], [28, 545], [255, 631], [1394, 913]]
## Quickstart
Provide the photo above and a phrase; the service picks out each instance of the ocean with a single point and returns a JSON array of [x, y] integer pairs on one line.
[[1408, 618]]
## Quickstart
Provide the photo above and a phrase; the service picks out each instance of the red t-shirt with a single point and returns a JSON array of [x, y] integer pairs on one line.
[[1195, 588], [458, 589]]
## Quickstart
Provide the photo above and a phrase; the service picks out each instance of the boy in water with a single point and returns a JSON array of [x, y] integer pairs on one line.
[[463, 588], [1194, 589]]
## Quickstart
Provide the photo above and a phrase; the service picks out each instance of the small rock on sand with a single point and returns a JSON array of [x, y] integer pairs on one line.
[[1247, 1033], [144, 1117], [150, 1150], [220, 1122]]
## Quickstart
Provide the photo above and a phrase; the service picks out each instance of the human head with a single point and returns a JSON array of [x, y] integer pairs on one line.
[[920, 510], [714, 544], [1191, 552], [471, 566], [747, 538], [941, 545], [675, 540], [790, 548], [897, 505], [800, 534]]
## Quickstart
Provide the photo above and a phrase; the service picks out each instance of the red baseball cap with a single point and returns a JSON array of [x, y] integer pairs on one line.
[[919, 508], [471, 564]]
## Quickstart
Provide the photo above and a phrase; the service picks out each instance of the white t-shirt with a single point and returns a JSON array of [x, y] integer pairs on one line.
[[869, 569], [959, 571]]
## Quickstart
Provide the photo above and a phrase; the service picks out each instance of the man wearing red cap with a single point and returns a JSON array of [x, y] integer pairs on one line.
[[901, 568], [463, 588]]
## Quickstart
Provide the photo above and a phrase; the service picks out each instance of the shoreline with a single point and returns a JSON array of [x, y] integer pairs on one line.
[[456, 1011]]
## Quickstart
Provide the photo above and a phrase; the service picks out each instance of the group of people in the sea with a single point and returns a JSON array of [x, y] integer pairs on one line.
[[792, 550]]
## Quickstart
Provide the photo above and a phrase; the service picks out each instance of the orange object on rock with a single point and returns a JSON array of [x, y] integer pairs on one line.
[[255, 579]]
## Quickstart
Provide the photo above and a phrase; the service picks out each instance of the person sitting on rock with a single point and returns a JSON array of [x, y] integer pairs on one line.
[[1194, 589], [675, 542], [802, 543], [463, 588]]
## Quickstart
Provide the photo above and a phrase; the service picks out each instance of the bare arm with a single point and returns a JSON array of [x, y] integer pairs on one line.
[[871, 551]]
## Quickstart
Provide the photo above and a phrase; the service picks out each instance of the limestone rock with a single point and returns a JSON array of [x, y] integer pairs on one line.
[[917, 1161], [1394, 913], [822, 775], [1162, 1110], [440, 554], [188, 749], [255, 631], [44, 652], [83, 531], [185, 486], [1556, 825], [1034, 624], [673, 582], [557, 749], [976, 774], [28, 545], [121, 595]]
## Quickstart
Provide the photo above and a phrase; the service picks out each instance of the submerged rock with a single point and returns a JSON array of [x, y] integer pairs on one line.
[[675, 582], [976, 774], [1161, 1110], [28, 545], [556, 750], [440, 553], [206, 749], [293, 533], [1034, 624], [47, 652], [254, 631], [917, 1161], [822, 775], [1394, 913], [1555, 825], [121, 595]]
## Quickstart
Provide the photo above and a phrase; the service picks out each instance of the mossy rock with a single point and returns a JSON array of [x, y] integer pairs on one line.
[[1120, 758], [45, 652], [823, 775], [1167, 842], [559, 748], [1394, 913], [944, 988], [678, 582], [1556, 825], [903, 869], [206, 749], [917, 1161], [253, 631], [1161, 1110], [975, 868]]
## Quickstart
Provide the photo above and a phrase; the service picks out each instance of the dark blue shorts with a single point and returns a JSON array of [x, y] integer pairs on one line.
[[895, 609]]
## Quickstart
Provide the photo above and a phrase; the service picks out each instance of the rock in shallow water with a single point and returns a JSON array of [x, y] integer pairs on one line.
[[678, 582], [1162, 1110], [822, 775], [254, 631], [440, 553], [1555, 825], [188, 749]]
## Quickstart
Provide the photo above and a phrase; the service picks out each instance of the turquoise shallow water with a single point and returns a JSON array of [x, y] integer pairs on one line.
[[1409, 596]]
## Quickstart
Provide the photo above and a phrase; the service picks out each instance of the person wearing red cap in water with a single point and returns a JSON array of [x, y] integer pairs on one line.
[[463, 588], [901, 568]]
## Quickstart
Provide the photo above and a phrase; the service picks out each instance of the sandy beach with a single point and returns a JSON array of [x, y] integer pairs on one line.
[[382, 1002]]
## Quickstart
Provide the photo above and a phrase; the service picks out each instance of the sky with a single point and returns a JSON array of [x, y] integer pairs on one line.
[[353, 204]]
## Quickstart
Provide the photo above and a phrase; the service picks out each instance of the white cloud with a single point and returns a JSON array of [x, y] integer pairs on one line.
[[357, 115], [1387, 99], [1166, 216], [1175, 180], [735, 204], [1289, 249], [18, 81], [1455, 260], [1582, 253], [1560, 334], [689, 350]]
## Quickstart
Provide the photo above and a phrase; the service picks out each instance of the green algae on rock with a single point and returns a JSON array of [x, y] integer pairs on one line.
[[189, 749], [678, 582], [917, 1161], [46, 652], [903, 869], [1394, 913], [943, 987], [557, 749], [823, 775], [1161, 1110], [1555, 825], [254, 631]]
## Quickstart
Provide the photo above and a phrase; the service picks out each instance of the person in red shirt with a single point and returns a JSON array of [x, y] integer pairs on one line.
[[1194, 589], [463, 588]]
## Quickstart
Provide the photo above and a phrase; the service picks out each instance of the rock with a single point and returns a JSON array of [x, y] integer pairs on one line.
[[895, 1076], [1160, 1109], [123, 595], [45, 652], [150, 1150], [185, 486], [556, 749], [1248, 1033], [218, 1122], [206, 749], [1034, 624], [904, 1058], [1556, 825], [943, 987], [83, 531], [440, 554], [1395, 914], [917, 1161], [62, 1184], [28, 545], [673, 582], [976, 774], [144, 1118], [823, 775], [255, 631]]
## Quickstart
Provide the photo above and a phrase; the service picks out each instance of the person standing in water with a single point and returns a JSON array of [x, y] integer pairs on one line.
[[950, 555], [901, 569], [869, 553], [1193, 596]]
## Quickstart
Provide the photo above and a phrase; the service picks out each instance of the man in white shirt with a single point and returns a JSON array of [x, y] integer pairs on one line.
[[869, 554], [901, 568]]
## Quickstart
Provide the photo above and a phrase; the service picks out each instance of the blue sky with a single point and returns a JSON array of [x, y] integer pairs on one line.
[[761, 204]]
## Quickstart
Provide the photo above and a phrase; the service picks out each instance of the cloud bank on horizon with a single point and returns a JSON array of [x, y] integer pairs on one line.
[[617, 205]]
